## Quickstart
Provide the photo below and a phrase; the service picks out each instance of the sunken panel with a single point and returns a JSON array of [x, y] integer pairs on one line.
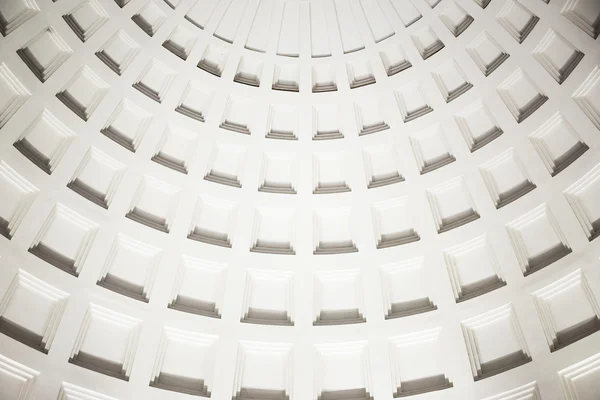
[[68, 391], [495, 342], [127, 125], [176, 149], [369, 118], [181, 41], [45, 53], [282, 122], [277, 173], [154, 204], [268, 298], [130, 268], [45, 141], [329, 173], [18, 380], [528, 391], [249, 72], [86, 19], [521, 95], [149, 18], [97, 177], [64, 240], [83, 92], [45, 304], [537, 239], [14, 94], [557, 144], [238, 115], [381, 167], [487, 53], [286, 77], [582, 196], [155, 80], [326, 122], [106, 342], [431, 149], [13, 14], [427, 42], [581, 379], [338, 298], [568, 310], [118, 52], [263, 371], [323, 78], [404, 289], [392, 223], [274, 231], [195, 101], [506, 178], [184, 362], [198, 287], [456, 19], [412, 101], [213, 60], [360, 74], [477, 125], [394, 59], [350, 357], [332, 231], [17, 196], [517, 20], [451, 81], [473, 269], [451, 205], [585, 15], [586, 96], [557, 55], [214, 221], [417, 365], [226, 164]]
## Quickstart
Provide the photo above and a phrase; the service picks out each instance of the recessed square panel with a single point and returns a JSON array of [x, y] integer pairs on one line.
[[17, 380], [97, 177], [15, 13], [45, 53], [45, 141], [45, 304], [64, 240], [199, 287], [83, 92], [417, 363], [106, 342], [118, 52], [154, 204], [338, 298], [17, 196], [537, 239], [184, 363], [14, 94], [582, 196], [495, 342], [86, 19]]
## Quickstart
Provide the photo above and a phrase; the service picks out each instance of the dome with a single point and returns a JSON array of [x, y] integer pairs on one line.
[[299, 199]]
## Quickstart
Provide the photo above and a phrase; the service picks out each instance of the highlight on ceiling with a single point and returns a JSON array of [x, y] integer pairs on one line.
[[299, 199]]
